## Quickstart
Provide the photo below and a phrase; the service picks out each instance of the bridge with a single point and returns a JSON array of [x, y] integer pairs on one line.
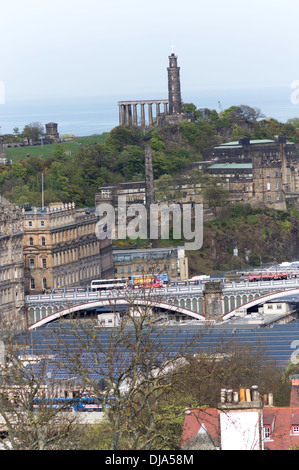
[[185, 300]]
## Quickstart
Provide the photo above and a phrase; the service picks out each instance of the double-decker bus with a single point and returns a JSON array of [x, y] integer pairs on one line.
[[146, 281], [267, 277], [108, 284]]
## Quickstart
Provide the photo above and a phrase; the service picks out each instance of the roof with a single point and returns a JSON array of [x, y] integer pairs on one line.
[[295, 393], [281, 418], [231, 166], [236, 143]]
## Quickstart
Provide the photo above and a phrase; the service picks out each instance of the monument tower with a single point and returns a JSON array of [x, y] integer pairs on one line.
[[174, 86]]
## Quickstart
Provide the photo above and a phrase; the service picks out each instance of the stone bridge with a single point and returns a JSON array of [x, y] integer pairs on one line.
[[212, 300]]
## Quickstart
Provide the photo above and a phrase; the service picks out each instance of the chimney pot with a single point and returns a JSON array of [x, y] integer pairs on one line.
[[242, 394], [223, 395], [229, 396]]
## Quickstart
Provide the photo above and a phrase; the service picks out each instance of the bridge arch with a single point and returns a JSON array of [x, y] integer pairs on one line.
[[261, 300], [108, 302]]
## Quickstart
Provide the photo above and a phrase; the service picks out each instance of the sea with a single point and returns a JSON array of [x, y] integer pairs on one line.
[[85, 116]]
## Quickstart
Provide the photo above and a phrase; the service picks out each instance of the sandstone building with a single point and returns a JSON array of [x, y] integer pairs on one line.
[[61, 249], [136, 262], [259, 172], [12, 310]]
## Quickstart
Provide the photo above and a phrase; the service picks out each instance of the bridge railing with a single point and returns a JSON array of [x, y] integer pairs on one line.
[[173, 290], [246, 285], [105, 294]]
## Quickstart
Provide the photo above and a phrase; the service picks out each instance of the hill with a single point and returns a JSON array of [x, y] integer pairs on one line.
[[75, 169]]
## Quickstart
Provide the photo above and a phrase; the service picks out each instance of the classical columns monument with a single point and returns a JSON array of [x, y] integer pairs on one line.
[[150, 111], [128, 112]]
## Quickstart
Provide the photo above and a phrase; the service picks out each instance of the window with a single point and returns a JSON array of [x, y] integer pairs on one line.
[[32, 284], [44, 263], [31, 241], [268, 187], [31, 263], [42, 223], [30, 223], [129, 269], [267, 432], [44, 283], [295, 429], [43, 241]]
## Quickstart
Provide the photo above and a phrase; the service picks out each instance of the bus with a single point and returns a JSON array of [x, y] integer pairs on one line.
[[108, 284], [267, 277], [83, 404], [146, 281]]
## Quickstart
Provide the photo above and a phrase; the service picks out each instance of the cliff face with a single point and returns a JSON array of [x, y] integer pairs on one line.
[[249, 238]]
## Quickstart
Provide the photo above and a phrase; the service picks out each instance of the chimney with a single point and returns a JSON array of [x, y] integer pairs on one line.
[[294, 401], [240, 419], [243, 398]]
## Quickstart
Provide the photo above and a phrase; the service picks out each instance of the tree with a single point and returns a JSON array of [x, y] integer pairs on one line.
[[131, 368], [214, 194], [30, 422], [34, 131]]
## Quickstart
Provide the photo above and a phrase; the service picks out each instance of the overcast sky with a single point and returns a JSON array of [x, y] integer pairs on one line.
[[80, 48]]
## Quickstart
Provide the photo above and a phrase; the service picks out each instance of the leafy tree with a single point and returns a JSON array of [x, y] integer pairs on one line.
[[214, 194], [121, 136], [34, 130]]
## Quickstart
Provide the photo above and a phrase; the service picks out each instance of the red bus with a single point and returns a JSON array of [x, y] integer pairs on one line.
[[267, 277]]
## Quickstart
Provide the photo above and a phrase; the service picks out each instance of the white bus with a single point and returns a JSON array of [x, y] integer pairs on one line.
[[108, 284]]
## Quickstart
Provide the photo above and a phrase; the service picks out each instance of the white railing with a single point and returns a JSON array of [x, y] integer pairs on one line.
[[173, 290]]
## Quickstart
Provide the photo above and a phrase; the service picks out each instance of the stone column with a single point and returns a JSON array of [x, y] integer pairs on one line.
[[121, 122], [213, 301], [127, 116], [142, 115], [165, 108], [157, 109], [150, 114], [135, 114]]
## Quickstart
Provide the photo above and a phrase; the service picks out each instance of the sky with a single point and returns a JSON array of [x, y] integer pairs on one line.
[[84, 48]]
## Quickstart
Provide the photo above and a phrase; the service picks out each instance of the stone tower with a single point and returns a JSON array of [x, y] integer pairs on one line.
[[52, 131], [174, 86]]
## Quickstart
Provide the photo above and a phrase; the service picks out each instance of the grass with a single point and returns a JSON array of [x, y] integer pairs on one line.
[[20, 153]]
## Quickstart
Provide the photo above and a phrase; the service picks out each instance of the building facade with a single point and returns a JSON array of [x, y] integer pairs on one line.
[[136, 262], [61, 248], [256, 171], [12, 304], [243, 422]]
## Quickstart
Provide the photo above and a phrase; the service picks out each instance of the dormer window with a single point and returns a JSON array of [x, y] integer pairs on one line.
[[295, 430], [267, 433], [295, 424]]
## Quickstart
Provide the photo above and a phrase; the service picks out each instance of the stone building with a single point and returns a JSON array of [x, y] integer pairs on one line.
[[259, 172], [61, 248], [52, 131], [136, 262], [12, 304]]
